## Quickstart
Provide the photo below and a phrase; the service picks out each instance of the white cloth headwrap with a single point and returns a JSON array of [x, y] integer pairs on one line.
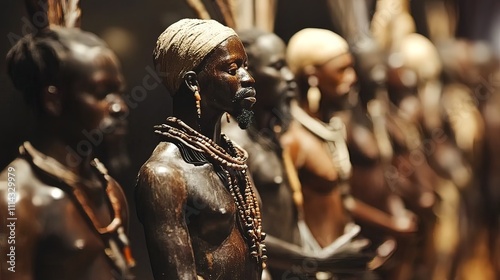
[[183, 46]]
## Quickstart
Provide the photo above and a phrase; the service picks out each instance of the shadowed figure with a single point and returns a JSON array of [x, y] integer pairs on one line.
[[71, 215], [276, 88]]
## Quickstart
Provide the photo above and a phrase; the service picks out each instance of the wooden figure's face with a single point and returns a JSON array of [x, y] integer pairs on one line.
[[274, 80], [337, 76], [93, 100], [226, 84]]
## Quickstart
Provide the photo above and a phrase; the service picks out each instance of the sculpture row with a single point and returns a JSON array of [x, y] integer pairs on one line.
[[323, 182]]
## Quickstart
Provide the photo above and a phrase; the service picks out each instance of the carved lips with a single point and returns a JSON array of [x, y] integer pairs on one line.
[[247, 98]]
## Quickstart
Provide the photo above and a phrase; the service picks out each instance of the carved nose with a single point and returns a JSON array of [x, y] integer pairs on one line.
[[246, 79]]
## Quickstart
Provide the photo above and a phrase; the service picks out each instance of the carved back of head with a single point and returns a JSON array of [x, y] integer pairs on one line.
[[38, 61], [418, 54], [184, 45], [249, 37], [313, 47]]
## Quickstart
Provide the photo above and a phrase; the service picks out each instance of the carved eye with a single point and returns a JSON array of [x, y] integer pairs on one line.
[[232, 69]]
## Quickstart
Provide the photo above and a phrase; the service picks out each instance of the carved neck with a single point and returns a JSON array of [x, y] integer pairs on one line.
[[57, 144], [184, 108], [267, 125]]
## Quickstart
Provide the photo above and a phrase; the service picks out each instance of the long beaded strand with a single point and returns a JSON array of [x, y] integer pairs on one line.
[[246, 201]]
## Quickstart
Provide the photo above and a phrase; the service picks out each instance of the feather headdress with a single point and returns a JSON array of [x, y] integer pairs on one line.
[[240, 14], [46, 13], [226, 10], [223, 7]]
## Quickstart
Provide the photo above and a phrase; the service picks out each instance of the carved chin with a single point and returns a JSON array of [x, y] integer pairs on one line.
[[244, 118]]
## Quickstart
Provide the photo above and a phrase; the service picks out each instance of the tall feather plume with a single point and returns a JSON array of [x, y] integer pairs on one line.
[[265, 13], [227, 12], [46, 13], [72, 12], [199, 8], [223, 6]]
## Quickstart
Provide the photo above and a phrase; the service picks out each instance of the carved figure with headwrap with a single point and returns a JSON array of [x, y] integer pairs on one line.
[[194, 197]]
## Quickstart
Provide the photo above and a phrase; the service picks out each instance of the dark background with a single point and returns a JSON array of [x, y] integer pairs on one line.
[[135, 25]]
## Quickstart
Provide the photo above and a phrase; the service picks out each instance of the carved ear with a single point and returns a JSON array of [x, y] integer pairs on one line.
[[52, 101], [191, 80]]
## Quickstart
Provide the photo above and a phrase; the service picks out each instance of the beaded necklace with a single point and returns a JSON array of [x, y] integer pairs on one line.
[[235, 172]]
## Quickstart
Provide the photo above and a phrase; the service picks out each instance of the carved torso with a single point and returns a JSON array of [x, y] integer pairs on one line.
[[323, 208], [217, 243], [53, 238]]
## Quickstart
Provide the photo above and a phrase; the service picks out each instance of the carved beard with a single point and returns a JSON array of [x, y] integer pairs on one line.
[[244, 115], [244, 118]]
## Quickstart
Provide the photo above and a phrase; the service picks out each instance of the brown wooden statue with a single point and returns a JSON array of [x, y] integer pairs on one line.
[[194, 197], [67, 217], [324, 69], [322, 169]]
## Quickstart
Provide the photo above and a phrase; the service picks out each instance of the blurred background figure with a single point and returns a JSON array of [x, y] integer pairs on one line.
[[70, 216], [324, 71], [469, 99], [414, 92]]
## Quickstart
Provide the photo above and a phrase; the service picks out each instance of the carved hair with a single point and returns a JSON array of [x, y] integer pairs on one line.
[[37, 61]]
